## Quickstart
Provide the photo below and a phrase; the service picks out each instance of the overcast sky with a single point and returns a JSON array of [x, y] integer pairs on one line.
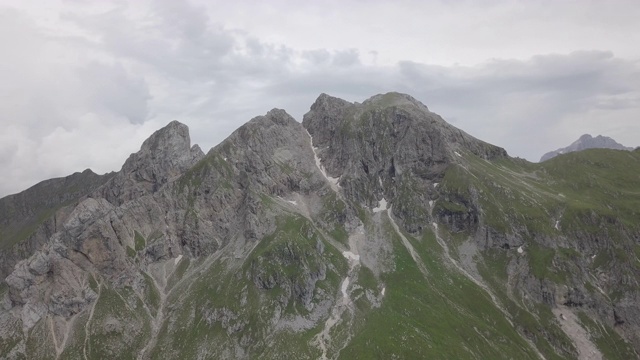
[[83, 83]]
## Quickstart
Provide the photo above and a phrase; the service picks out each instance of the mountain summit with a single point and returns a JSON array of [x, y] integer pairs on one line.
[[372, 230], [586, 141]]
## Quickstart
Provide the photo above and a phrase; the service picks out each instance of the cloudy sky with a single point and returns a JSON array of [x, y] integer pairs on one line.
[[83, 83]]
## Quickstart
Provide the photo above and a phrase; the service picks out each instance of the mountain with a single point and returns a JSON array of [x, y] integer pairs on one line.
[[29, 218], [371, 230], [586, 141]]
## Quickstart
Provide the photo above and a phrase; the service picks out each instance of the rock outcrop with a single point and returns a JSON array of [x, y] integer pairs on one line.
[[390, 146], [163, 157], [28, 219]]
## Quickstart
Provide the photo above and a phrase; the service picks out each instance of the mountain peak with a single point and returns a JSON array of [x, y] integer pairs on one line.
[[586, 141], [394, 99], [170, 139], [165, 155], [388, 139]]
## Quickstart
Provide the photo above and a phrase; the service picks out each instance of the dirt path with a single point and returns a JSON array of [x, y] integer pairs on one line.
[[571, 326], [53, 336], [155, 321], [68, 327], [87, 325]]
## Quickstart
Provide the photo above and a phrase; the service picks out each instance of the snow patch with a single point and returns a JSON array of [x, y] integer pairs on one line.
[[351, 256], [457, 153], [557, 226], [430, 203], [177, 260], [382, 292], [435, 185], [292, 202], [382, 205], [343, 288], [520, 250], [333, 182], [225, 159]]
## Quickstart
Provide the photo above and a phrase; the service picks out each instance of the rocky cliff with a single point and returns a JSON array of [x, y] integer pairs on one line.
[[30, 218], [368, 230]]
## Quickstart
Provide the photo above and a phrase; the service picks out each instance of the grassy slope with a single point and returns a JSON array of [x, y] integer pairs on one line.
[[443, 316], [229, 287], [592, 193]]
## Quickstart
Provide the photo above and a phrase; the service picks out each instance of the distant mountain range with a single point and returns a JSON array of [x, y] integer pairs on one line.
[[586, 141]]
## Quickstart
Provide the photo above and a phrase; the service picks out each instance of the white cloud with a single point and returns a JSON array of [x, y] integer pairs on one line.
[[86, 83]]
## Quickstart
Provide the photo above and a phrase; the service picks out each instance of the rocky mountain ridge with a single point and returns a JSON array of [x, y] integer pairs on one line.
[[367, 230], [586, 141]]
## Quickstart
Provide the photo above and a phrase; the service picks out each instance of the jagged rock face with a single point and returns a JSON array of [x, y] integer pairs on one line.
[[292, 240], [30, 218], [586, 141], [165, 155], [391, 146], [49, 283], [269, 155]]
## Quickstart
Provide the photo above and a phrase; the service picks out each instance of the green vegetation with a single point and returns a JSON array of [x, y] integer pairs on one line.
[[8, 343], [151, 294], [212, 165], [340, 234], [118, 328], [139, 241], [11, 236], [590, 194], [93, 284], [178, 273], [585, 196], [40, 342], [246, 296], [535, 320], [332, 217], [426, 317], [541, 262], [76, 340], [131, 252], [569, 189], [608, 341]]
